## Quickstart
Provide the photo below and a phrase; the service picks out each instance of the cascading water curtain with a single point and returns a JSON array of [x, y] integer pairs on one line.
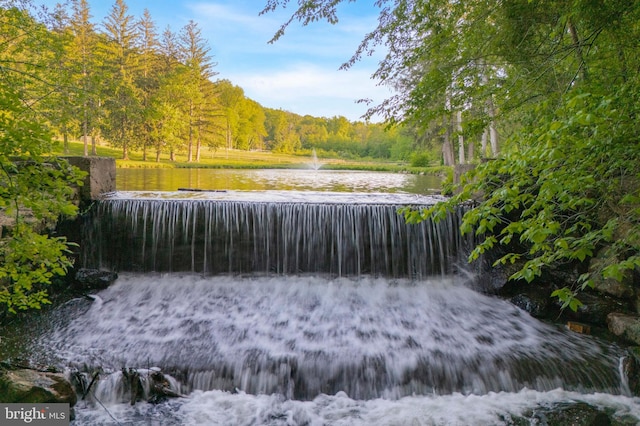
[[215, 237]]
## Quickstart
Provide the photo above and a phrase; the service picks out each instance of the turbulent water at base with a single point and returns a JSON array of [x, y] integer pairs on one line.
[[319, 350], [218, 408]]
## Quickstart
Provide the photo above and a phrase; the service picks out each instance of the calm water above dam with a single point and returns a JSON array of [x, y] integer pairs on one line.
[[271, 179]]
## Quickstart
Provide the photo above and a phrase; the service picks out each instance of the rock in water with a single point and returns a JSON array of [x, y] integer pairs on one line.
[[25, 385]]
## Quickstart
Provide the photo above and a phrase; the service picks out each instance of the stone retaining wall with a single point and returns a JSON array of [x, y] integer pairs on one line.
[[101, 177]]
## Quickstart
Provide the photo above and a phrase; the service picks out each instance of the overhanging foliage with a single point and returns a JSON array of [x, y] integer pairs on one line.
[[569, 190], [560, 79], [34, 190]]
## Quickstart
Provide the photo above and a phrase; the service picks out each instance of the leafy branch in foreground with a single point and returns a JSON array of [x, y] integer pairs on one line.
[[35, 190], [30, 260], [566, 191]]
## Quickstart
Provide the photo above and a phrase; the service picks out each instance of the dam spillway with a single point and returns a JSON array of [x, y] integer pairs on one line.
[[243, 232], [304, 304]]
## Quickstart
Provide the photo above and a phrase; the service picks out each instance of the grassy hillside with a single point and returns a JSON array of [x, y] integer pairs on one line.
[[237, 159]]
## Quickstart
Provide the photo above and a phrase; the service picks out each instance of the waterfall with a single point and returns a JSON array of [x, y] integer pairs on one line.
[[306, 304], [213, 237]]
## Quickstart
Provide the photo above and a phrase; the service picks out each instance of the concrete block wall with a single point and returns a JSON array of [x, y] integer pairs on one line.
[[101, 178]]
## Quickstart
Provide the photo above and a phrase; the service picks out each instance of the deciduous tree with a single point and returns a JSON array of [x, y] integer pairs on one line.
[[34, 189]]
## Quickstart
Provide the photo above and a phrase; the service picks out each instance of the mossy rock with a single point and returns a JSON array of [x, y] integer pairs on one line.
[[31, 386], [571, 413], [631, 369], [625, 325]]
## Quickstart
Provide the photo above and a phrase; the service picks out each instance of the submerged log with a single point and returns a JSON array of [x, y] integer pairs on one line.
[[132, 380], [160, 388], [157, 389], [201, 190], [93, 380]]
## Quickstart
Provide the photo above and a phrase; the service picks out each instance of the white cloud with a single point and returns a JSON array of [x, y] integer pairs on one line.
[[299, 72], [311, 89], [230, 15], [305, 79]]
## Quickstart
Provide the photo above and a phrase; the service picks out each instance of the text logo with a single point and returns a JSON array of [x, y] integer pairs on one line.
[[34, 414]]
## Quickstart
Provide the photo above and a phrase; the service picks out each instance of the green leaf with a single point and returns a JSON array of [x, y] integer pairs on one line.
[[568, 299]]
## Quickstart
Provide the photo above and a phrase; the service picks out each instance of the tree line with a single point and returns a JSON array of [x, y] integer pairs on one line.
[[126, 83]]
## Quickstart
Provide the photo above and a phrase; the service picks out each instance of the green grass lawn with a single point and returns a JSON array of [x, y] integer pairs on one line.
[[238, 159]]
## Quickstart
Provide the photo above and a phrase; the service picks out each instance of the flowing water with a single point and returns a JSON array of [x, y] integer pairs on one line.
[[275, 231], [308, 308], [319, 350]]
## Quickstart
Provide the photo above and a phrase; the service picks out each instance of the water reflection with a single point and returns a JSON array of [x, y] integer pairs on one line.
[[265, 179]]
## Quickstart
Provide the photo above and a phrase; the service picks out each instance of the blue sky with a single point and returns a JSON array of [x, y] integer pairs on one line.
[[298, 73]]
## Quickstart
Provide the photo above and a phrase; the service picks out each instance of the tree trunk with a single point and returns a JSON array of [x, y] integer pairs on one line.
[[144, 149], [461, 159], [93, 145], [198, 146], [228, 136], [447, 147], [494, 139], [578, 46], [190, 148], [85, 126], [483, 143], [65, 137], [493, 133], [84, 140]]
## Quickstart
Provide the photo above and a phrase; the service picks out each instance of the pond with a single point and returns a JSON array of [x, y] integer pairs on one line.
[[276, 179]]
